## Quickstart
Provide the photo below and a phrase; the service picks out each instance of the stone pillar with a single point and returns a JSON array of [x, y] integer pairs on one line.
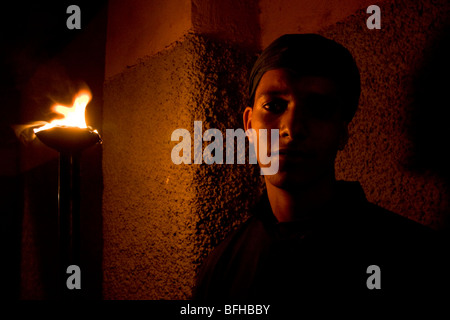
[[168, 64]]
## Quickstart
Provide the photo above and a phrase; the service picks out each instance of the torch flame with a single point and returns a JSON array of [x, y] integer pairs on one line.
[[73, 116]]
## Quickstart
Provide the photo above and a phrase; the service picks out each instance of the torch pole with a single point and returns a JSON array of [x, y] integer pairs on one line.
[[70, 142], [69, 218]]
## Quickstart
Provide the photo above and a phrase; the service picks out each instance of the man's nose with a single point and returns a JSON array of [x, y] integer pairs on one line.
[[293, 122]]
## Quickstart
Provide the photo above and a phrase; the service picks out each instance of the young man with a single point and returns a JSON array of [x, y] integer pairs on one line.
[[311, 235]]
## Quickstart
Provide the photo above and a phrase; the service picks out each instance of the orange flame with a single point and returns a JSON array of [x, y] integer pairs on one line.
[[73, 116]]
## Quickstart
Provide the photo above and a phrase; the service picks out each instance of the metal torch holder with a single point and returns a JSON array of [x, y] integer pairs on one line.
[[70, 142]]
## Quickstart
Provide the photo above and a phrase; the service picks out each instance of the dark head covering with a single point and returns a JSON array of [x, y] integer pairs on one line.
[[311, 55]]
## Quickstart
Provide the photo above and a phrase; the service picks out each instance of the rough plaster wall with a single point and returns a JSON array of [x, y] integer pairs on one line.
[[160, 219], [148, 222], [303, 16], [403, 101], [232, 20], [150, 26]]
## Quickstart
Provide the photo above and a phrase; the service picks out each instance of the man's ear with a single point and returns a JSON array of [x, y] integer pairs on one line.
[[247, 117]]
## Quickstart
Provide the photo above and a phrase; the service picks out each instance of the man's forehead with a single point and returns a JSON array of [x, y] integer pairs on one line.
[[283, 82]]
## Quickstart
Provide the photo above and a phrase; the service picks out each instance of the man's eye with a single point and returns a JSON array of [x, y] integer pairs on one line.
[[275, 106]]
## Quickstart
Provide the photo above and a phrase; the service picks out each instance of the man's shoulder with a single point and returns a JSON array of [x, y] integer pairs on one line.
[[384, 233], [384, 221], [375, 218]]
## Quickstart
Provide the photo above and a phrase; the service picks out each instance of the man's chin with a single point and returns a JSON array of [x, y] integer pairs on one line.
[[288, 180]]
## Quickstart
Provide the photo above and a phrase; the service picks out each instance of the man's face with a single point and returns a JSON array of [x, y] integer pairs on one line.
[[307, 113]]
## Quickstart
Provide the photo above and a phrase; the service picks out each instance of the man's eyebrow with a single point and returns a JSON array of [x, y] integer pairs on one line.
[[272, 92]]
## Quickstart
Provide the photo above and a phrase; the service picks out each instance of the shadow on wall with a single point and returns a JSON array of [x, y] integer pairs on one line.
[[430, 129]]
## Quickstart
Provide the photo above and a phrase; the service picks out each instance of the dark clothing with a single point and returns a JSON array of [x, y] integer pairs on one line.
[[328, 254]]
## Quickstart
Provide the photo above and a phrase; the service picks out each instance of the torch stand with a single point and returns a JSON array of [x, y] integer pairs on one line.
[[68, 218], [70, 142]]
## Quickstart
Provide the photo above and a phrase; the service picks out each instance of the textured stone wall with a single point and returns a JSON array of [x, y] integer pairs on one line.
[[303, 16], [148, 227], [139, 28], [160, 219]]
